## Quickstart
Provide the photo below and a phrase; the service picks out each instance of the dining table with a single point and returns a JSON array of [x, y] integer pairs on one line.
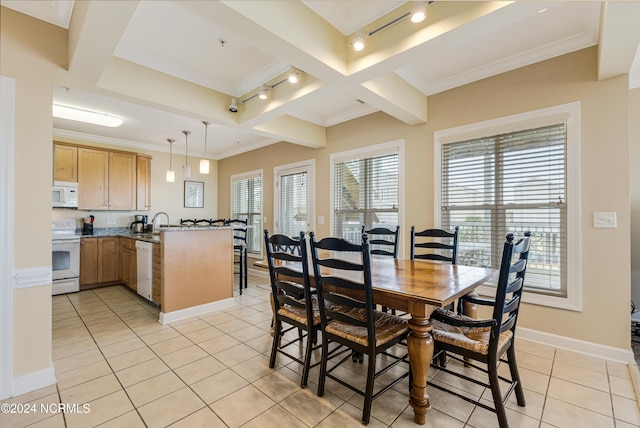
[[418, 287]]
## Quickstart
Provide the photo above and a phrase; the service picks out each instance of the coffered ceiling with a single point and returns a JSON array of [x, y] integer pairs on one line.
[[165, 66]]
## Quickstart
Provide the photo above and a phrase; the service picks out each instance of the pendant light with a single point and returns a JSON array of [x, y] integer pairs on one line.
[[171, 174], [186, 169], [204, 163]]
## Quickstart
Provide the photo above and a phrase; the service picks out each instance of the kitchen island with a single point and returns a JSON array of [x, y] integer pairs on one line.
[[197, 271]]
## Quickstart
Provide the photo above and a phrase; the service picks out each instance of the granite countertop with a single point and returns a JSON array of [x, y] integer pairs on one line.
[[148, 237]]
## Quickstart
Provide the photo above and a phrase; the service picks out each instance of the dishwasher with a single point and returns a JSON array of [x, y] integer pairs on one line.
[[144, 256]]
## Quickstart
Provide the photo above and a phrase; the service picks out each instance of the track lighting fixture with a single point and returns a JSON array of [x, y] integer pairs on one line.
[[233, 107], [294, 75], [171, 174], [357, 43], [204, 163], [419, 12], [263, 92], [186, 169]]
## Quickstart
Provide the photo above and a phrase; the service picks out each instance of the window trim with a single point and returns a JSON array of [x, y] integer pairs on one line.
[[568, 113], [307, 165], [375, 150], [245, 176]]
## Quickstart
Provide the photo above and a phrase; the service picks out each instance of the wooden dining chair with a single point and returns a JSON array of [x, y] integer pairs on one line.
[[294, 302], [441, 245], [357, 327], [240, 249], [384, 242], [487, 341]]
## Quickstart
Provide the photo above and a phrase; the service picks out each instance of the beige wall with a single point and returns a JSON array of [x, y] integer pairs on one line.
[[634, 180], [604, 168], [30, 50], [167, 197]]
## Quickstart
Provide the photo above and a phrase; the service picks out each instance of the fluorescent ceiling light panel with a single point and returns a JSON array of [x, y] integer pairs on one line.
[[87, 116]]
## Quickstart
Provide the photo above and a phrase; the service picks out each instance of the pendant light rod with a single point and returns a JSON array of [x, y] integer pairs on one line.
[[204, 163], [186, 169], [206, 128]]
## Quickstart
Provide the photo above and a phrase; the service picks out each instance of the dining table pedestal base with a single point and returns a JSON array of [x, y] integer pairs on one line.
[[420, 344]]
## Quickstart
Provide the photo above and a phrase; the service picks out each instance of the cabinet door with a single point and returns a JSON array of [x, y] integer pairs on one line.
[[65, 163], [122, 181], [108, 259], [143, 177], [93, 179], [88, 261]]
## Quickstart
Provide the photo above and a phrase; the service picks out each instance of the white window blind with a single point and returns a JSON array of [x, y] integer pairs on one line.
[[366, 193], [511, 182], [246, 203], [293, 203]]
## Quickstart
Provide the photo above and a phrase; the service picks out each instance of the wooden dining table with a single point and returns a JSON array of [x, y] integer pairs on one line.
[[418, 287]]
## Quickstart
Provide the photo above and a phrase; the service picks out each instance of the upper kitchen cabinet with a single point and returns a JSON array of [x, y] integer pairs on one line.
[[65, 163], [106, 180], [143, 177]]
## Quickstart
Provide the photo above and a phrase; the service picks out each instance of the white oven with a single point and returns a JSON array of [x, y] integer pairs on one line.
[[65, 256]]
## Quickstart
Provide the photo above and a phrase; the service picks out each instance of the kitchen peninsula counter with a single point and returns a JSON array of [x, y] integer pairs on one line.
[[197, 270]]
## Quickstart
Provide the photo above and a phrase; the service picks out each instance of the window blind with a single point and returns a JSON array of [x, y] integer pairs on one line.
[[365, 193], [511, 182], [293, 203], [246, 197]]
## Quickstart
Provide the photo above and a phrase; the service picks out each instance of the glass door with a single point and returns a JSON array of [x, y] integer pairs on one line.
[[294, 208]]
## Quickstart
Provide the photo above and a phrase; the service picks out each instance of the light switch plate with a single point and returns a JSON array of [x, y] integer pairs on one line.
[[605, 220]]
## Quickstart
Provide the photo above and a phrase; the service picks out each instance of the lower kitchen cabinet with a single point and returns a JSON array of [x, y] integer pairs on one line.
[[156, 274], [128, 262], [99, 260]]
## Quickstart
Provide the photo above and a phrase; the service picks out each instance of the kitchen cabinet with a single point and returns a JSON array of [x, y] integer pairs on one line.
[[65, 163], [106, 180], [99, 260], [128, 262], [143, 183], [156, 274]]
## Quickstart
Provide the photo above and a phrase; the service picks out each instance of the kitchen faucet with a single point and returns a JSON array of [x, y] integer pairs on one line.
[[153, 220]]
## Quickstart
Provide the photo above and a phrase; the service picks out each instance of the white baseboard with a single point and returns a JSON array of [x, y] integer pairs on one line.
[[576, 345], [169, 317], [32, 381]]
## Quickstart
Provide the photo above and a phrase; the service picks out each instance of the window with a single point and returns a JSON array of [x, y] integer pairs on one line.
[[513, 181], [366, 190], [246, 203]]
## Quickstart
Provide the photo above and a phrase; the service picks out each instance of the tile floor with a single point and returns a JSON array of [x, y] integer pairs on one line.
[[110, 353]]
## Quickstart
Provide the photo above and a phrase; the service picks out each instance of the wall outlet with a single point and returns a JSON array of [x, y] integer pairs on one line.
[[605, 220], [111, 221]]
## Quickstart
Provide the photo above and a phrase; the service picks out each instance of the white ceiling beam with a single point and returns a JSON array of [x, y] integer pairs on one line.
[[95, 30], [398, 98], [619, 38]]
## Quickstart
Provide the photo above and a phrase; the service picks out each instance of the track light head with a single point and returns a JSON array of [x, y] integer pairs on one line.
[[233, 107], [294, 75], [357, 43], [263, 92], [419, 13]]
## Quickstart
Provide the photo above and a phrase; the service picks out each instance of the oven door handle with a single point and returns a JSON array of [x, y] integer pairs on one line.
[[65, 241]]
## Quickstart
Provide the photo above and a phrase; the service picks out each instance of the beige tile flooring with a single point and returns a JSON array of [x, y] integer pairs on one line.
[[110, 353]]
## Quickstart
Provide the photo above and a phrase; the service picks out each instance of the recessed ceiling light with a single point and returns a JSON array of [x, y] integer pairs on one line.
[[86, 116]]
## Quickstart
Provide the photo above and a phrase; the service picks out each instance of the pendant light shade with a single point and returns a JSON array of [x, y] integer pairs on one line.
[[204, 163], [186, 169], [171, 174]]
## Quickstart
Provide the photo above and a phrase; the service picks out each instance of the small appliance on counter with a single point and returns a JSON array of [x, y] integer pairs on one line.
[[87, 225], [139, 223]]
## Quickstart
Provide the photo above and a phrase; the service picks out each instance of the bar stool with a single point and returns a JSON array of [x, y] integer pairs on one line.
[[240, 248]]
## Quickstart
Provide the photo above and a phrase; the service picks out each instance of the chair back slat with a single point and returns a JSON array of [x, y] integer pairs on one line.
[[286, 256], [383, 241], [439, 250], [334, 286]]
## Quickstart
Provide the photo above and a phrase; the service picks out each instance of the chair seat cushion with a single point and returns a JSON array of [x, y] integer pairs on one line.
[[387, 327], [474, 339]]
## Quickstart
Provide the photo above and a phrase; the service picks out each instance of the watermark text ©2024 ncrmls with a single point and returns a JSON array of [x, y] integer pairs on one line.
[[50, 408]]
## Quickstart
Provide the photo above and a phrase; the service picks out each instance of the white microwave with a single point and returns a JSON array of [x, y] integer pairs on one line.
[[65, 194]]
